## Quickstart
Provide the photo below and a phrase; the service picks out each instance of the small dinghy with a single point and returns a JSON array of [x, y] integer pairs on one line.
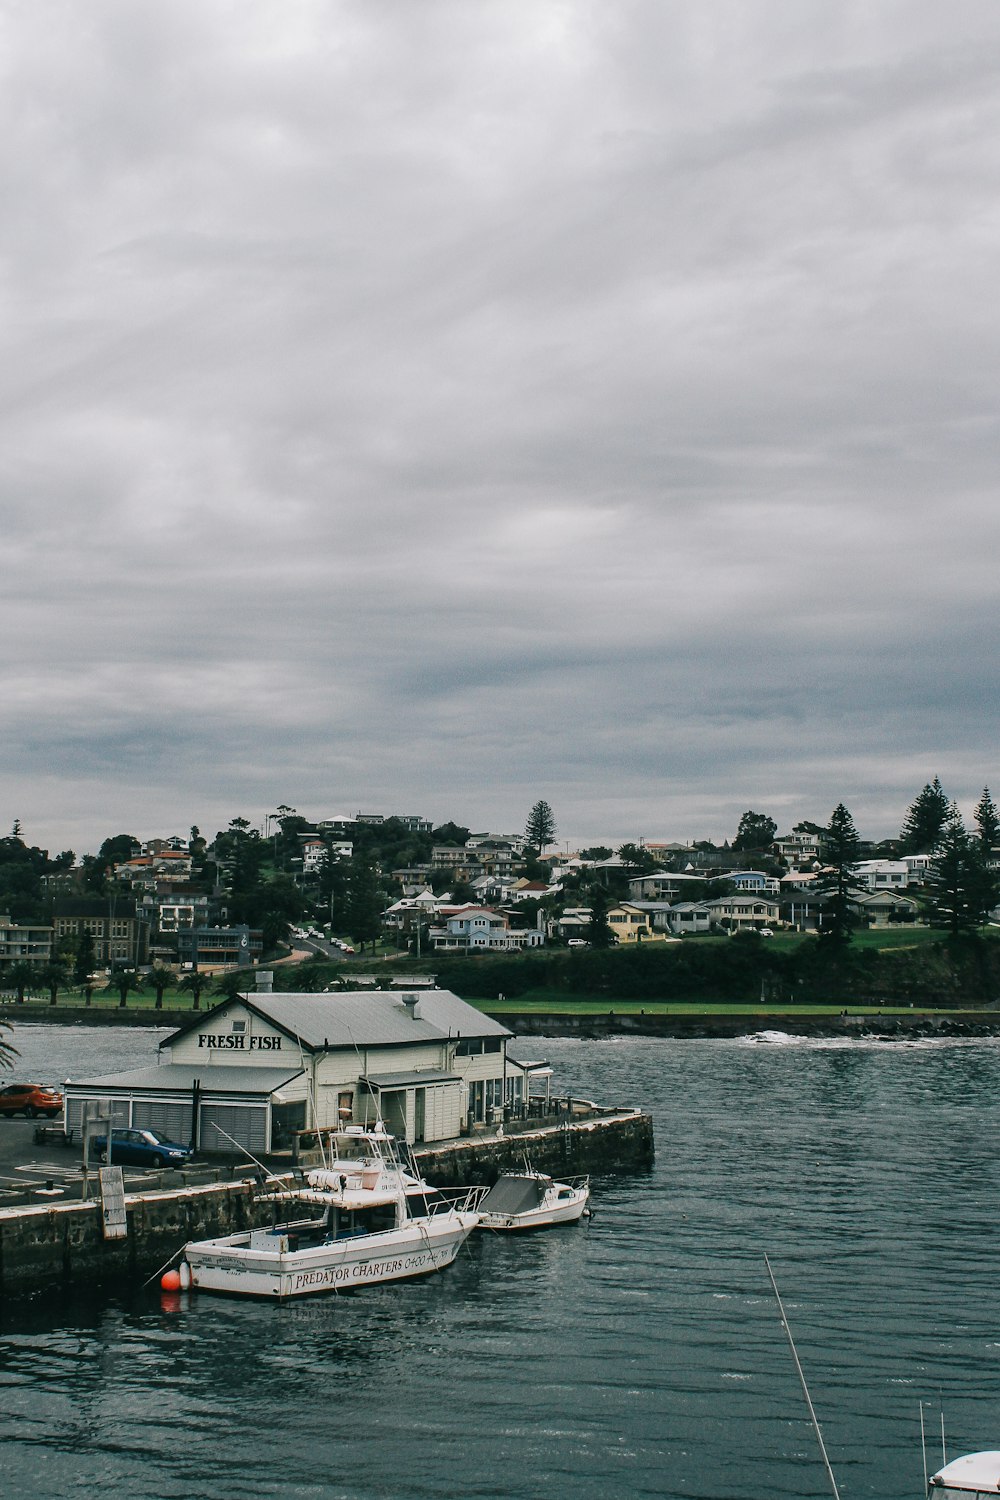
[[531, 1200]]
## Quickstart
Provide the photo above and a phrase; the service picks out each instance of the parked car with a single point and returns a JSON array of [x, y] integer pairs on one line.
[[30, 1099], [140, 1148]]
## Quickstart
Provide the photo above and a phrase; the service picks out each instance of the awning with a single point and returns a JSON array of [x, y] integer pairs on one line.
[[172, 1079], [416, 1079]]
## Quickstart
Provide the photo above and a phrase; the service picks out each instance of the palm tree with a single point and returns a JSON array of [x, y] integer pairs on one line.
[[53, 975], [194, 983], [234, 982], [124, 980], [160, 978], [20, 976]]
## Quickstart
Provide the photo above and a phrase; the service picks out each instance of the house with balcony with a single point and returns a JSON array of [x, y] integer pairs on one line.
[[797, 849], [745, 912], [478, 929], [883, 874]]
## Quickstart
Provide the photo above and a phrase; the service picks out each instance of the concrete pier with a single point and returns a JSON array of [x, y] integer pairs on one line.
[[49, 1244]]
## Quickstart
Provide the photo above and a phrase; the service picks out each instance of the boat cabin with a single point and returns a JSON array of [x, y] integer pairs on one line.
[[975, 1474]]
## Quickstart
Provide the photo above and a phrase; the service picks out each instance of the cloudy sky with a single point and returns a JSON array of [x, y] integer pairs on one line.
[[434, 405]]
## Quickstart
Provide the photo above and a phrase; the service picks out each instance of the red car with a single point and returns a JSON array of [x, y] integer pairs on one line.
[[30, 1099]]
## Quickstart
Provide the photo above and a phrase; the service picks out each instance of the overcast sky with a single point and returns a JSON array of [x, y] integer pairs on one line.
[[436, 405]]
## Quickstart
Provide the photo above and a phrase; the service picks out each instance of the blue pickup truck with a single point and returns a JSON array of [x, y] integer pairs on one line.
[[140, 1148]]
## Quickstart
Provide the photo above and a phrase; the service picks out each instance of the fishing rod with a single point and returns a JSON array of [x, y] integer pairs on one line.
[[802, 1379]]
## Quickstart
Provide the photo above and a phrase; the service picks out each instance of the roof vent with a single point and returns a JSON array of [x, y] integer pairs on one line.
[[412, 1003]]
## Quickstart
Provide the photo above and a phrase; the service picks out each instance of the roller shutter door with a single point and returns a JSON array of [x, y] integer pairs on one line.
[[75, 1106], [170, 1120], [246, 1123]]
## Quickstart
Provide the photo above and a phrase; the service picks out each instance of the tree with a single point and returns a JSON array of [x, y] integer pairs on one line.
[[8, 1051], [596, 852], [962, 890], [233, 983], [193, 984], [599, 933], [988, 823], [540, 828], [838, 882], [20, 976], [83, 961], [925, 819], [756, 831], [125, 980], [53, 975], [160, 978], [364, 904], [639, 859]]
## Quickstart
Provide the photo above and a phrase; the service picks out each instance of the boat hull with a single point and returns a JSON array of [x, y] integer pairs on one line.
[[238, 1264], [545, 1216]]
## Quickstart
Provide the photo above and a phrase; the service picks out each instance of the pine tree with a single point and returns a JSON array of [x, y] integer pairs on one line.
[[540, 828], [364, 904], [962, 890], [988, 823], [599, 933], [926, 817], [839, 883]]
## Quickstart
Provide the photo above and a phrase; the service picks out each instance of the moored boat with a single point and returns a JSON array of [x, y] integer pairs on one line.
[[532, 1200], [973, 1474], [364, 1218]]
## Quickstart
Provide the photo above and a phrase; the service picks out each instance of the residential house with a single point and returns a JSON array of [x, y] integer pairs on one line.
[[688, 918], [662, 885], [883, 874], [478, 929], [755, 880], [796, 849], [745, 911]]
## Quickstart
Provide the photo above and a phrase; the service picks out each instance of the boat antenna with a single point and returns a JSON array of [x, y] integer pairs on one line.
[[269, 1175], [923, 1444], [310, 1080], [802, 1379]]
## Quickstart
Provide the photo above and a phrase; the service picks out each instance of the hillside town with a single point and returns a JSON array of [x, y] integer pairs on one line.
[[396, 883]]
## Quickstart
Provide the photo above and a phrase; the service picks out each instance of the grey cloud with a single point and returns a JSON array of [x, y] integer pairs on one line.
[[454, 406]]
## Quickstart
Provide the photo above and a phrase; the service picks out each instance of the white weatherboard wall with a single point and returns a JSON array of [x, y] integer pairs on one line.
[[220, 1040]]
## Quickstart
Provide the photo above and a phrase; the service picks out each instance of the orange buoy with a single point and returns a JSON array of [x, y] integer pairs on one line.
[[170, 1281]]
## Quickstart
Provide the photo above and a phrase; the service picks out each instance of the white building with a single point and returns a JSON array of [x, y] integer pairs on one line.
[[262, 1066]]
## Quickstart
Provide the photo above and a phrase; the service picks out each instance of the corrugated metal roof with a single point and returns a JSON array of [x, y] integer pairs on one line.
[[175, 1076], [375, 1018], [408, 1080]]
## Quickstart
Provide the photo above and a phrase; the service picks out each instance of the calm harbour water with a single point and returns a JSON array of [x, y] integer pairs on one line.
[[638, 1356]]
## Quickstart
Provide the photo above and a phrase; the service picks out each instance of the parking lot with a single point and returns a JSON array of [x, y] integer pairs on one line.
[[30, 1171]]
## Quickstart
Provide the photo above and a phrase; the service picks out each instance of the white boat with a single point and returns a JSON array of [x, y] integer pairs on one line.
[[365, 1217], [975, 1474], [531, 1200]]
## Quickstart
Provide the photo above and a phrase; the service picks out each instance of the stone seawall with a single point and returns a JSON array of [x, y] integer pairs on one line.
[[64, 1243], [613, 1141], [970, 1023]]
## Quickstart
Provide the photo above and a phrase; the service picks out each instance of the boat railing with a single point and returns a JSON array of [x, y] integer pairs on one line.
[[455, 1200]]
